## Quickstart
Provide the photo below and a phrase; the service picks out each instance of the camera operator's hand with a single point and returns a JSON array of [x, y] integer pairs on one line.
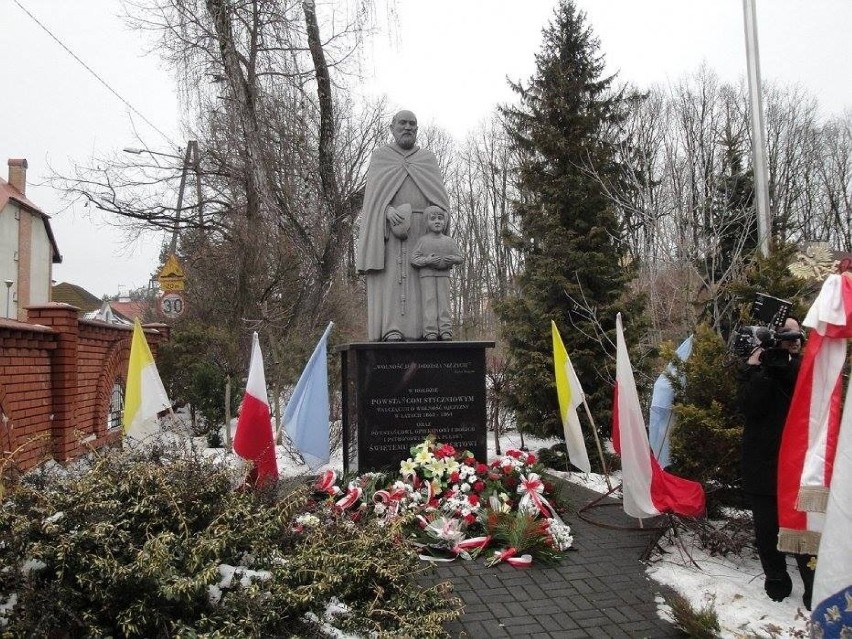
[[754, 358]]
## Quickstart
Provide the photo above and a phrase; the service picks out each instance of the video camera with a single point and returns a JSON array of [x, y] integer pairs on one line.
[[773, 312]]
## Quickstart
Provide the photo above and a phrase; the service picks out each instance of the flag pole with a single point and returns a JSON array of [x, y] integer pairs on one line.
[[597, 443], [664, 438], [758, 128]]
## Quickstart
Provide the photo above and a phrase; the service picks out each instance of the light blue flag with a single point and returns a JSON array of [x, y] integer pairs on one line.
[[306, 415], [661, 418]]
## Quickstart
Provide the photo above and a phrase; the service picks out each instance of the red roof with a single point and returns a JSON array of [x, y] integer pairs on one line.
[[9, 192], [130, 310]]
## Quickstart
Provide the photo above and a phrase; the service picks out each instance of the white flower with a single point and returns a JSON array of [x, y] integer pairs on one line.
[[560, 533], [436, 467], [423, 457], [451, 465], [499, 504], [308, 520], [407, 468], [446, 528], [527, 507]]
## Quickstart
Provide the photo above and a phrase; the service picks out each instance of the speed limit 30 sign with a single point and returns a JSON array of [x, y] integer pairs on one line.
[[172, 305]]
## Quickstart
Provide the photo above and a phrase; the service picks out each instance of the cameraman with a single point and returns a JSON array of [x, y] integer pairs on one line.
[[766, 387]]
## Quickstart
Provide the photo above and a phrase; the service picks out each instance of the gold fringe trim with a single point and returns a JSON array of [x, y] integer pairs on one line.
[[798, 542], [812, 499]]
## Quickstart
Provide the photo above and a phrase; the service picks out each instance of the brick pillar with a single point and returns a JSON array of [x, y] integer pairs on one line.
[[62, 318], [154, 340]]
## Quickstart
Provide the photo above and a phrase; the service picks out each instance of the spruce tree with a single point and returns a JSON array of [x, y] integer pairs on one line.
[[564, 130]]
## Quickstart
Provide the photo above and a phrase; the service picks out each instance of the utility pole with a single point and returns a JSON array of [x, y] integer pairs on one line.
[[758, 131], [191, 156]]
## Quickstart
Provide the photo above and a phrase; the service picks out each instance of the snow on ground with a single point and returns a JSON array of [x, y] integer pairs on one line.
[[733, 585]]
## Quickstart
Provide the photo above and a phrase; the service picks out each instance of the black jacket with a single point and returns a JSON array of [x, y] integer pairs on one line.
[[764, 398]]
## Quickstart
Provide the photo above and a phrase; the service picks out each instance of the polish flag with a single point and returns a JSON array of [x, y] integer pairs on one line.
[[254, 439], [809, 442], [648, 490], [832, 596]]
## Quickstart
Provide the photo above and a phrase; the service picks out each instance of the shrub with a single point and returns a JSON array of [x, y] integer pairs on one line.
[[705, 440], [706, 448], [160, 545], [699, 624]]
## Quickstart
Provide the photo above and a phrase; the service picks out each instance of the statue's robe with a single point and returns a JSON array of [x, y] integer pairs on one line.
[[396, 177]]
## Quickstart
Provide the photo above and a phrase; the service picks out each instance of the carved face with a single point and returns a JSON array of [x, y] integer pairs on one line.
[[436, 220], [404, 129]]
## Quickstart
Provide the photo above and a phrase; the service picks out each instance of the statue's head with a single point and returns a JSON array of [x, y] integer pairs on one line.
[[404, 129], [436, 218]]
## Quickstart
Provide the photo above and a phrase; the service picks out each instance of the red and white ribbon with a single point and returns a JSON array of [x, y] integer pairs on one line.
[[511, 557], [443, 560], [390, 498], [531, 488], [474, 543], [352, 496], [430, 492], [327, 483]]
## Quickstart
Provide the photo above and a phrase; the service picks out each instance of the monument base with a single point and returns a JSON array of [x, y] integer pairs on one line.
[[395, 394]]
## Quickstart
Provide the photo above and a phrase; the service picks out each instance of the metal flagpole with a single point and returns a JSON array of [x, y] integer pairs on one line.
[[598, 442], [758, 135]]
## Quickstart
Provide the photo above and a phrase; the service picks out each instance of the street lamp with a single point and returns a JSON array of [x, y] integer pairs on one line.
[[8, 295], [141, 151]]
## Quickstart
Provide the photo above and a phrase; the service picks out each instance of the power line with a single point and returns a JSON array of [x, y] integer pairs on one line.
[[93, 72]]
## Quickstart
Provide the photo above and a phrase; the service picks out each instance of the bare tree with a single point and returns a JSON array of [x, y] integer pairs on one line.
[[267, 235]]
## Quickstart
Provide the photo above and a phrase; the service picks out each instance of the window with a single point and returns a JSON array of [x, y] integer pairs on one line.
[[116, 405]]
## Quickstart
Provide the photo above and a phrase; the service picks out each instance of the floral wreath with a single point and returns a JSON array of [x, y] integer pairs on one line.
[[449, 505]]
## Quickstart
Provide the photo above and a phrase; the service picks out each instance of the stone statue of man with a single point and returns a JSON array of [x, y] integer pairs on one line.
[[402, 181]]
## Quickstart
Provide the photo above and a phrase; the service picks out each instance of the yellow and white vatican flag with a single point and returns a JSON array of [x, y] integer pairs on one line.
[[570, 395], [145, 395]]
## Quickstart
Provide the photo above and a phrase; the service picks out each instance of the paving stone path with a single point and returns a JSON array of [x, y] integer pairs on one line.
[[599, 591]]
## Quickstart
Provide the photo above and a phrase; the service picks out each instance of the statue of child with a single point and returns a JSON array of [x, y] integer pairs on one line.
[[435, 254]]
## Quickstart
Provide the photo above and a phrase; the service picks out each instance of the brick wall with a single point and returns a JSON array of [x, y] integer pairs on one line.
[[56, 378]]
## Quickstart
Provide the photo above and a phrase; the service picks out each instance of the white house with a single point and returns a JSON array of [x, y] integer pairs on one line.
[[28, 249]]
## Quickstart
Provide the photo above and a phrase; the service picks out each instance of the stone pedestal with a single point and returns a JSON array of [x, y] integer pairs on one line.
[[395, 394]]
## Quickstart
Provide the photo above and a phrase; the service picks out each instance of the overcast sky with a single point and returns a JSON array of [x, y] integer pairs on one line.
[[445, 59]]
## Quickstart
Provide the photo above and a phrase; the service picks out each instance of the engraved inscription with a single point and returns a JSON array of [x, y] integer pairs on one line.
[[440, 393]]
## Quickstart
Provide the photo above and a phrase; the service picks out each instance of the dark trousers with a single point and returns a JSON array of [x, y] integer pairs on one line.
[[764, 510]]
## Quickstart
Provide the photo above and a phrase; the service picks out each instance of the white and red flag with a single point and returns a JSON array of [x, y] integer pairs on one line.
[[648, 490], [832, 598], [254, 440], [809, 442]]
